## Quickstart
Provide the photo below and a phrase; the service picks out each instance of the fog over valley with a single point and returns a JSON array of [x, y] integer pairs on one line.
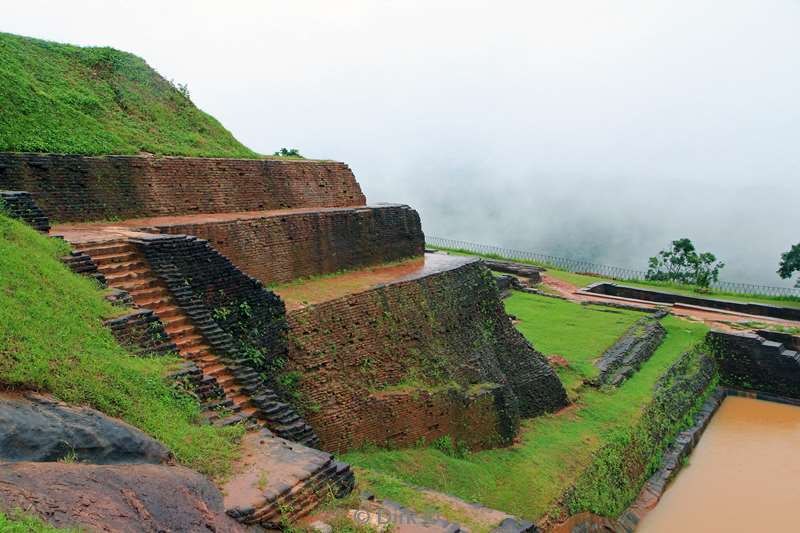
[[592, 130]]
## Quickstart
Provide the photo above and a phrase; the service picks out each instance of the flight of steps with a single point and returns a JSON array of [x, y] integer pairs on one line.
[[124, 268], [779, 349], [20, 205], [297, 480]]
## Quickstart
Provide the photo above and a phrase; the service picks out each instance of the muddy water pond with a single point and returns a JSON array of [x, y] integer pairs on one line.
[[742, 476]]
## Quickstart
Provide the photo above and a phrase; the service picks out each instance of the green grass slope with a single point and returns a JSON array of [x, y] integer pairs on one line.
[[67, 99], [52, 339]]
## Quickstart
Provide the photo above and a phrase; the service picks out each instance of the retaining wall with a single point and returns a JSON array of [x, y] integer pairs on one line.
[[376, 366], [748, 361], [621, 467], [774, 311], [72, 188], [294, 245]]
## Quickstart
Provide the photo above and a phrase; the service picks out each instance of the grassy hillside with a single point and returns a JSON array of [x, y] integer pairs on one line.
[[52, 339], [67, 99]]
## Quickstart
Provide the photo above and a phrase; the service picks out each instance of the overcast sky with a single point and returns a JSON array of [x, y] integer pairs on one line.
[[596, 129]]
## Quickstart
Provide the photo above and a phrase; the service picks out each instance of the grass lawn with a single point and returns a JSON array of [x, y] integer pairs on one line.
[[579, 333], [528, 478], [52, 339]]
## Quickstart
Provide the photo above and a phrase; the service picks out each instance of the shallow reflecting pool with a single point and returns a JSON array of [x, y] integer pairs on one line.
[[744, 474]]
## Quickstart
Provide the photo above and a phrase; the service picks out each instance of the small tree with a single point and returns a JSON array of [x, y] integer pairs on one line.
[[289, 152], [790, 263], [682, 264]]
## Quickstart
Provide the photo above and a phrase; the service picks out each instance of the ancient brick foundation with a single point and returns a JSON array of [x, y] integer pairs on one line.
[[77, 188], [750, 362], [418, 358], [294, 245]]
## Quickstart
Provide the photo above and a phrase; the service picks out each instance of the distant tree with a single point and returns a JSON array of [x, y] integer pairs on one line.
[[790, 263], [682, 264], [289, 152]]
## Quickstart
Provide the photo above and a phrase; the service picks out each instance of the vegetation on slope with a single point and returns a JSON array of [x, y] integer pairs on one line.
[[17, 522], [68, 99], [558, 327], [52, 339], [528, 478]]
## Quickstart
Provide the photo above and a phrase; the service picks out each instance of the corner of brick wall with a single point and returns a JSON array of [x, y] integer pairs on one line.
[[353, 352], [296, 245]]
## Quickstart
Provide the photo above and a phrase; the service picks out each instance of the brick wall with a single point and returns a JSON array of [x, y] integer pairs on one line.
[[78, 188], [286, 247], [748, 361], [357, 355]]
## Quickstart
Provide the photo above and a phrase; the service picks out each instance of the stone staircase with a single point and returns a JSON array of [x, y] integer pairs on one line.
[[20, 205], [124, 268]]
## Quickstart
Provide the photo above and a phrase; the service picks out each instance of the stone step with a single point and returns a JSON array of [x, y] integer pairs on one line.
[[137, 284], [118, 257], [178, 330], [128, 275], [104, 248], [111, 268], [187, 341], [146, 293]]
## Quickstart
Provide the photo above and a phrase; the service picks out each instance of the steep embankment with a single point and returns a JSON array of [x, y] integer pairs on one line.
[[52, 339], [68, 99]]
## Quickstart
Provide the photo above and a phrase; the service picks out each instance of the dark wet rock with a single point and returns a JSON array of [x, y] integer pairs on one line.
[[38, 428], [515, 525], [624, 358], [120, 498], [533, 273]]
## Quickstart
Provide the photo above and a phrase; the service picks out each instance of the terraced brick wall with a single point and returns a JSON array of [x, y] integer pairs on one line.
[[286, 247], [754, 363], [420, 358], [77, 188]]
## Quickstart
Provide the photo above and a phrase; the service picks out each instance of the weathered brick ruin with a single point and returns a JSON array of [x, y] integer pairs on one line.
[[307, 243], [193, 242], [363, 358], [71, 188], [751, 362]]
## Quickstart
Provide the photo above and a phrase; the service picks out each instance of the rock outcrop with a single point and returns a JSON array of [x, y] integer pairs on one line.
[[119, 498], [624, 358], [38, 428]]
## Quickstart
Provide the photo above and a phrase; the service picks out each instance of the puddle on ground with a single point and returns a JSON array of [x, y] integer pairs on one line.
[[741, 477]]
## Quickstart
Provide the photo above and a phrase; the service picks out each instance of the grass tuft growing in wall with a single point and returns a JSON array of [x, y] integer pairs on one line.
[[52, 339]]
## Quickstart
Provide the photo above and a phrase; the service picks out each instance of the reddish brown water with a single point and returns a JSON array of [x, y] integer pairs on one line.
[[743, 475]]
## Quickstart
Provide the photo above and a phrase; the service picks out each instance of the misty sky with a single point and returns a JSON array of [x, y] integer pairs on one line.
[[598, 129]]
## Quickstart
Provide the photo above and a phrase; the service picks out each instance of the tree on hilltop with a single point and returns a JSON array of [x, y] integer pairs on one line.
[[683, 264], [790, 263]]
